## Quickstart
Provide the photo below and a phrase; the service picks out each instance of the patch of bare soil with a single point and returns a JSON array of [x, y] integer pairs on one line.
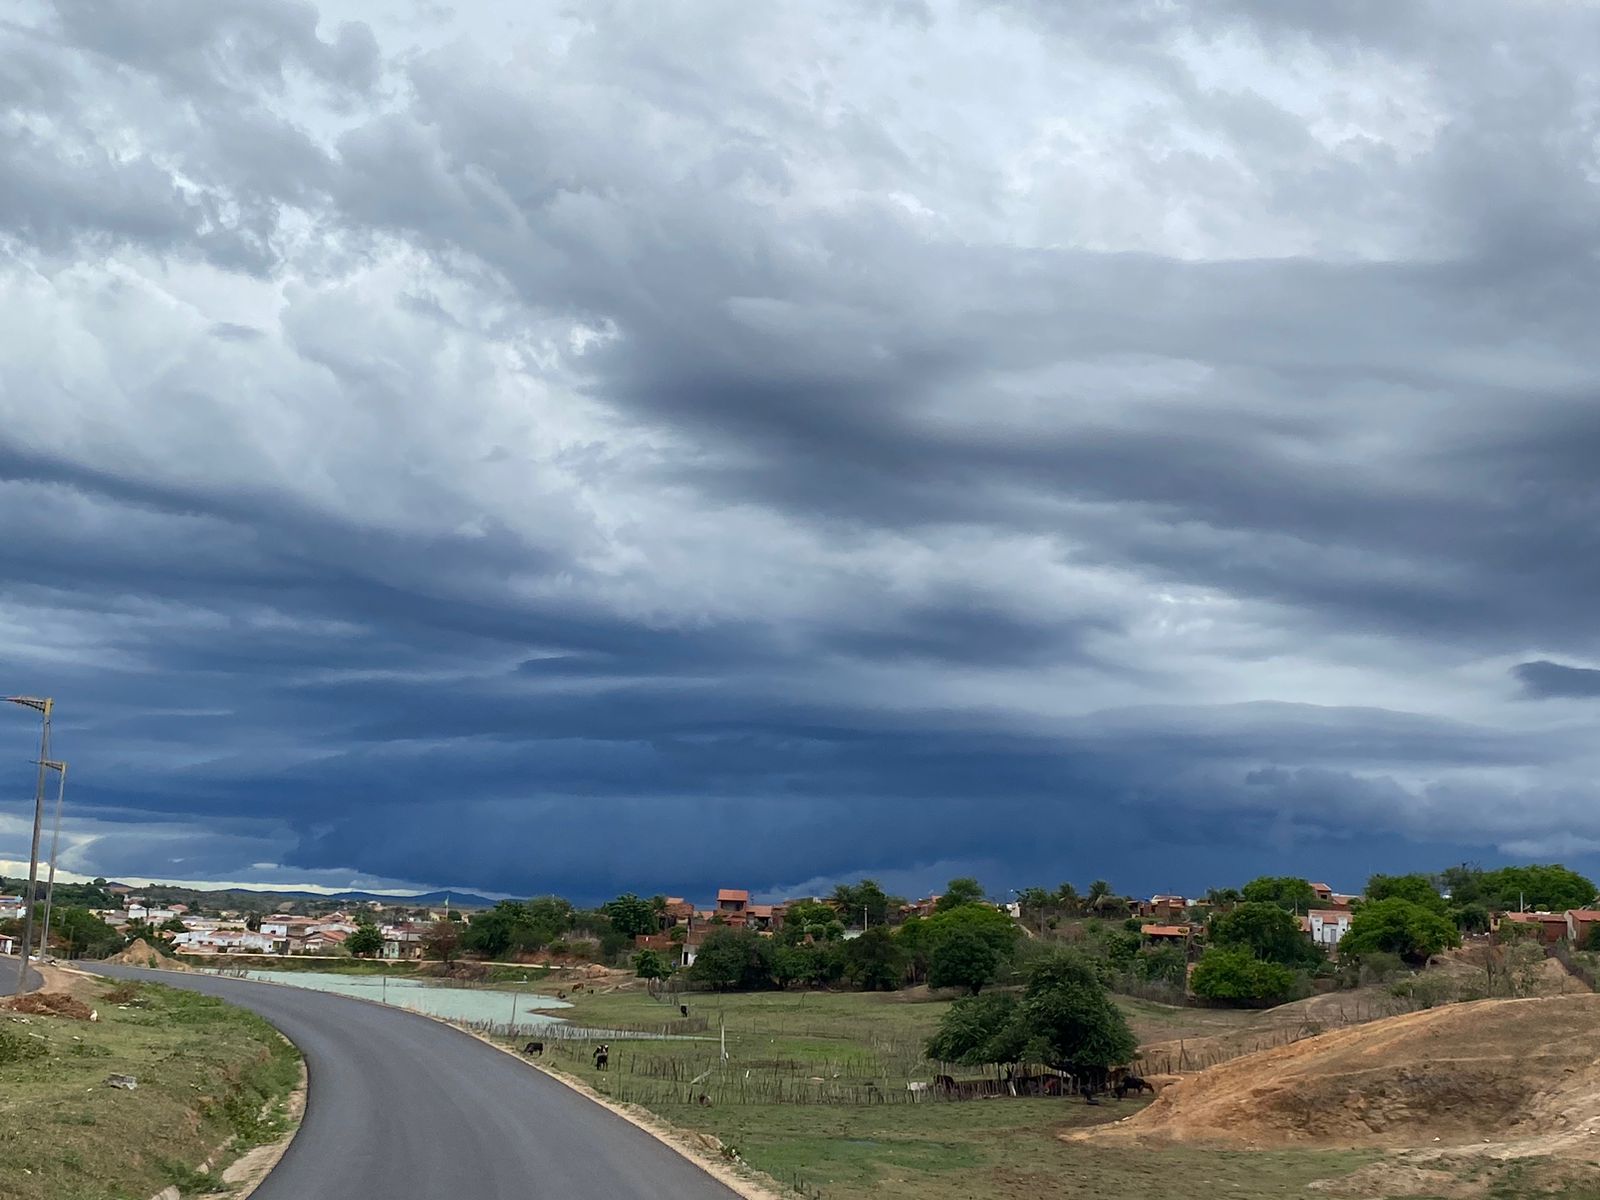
[[140, 953], [1496, 1070], [49, 1004]]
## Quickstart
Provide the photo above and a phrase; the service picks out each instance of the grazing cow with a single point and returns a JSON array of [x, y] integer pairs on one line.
[[602, 1056], [1134, 1084], [683, 1009], [533, 1048], [945, 1084]]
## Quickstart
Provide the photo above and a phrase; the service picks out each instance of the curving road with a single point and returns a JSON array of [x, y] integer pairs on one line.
[[401, 1107], [9, 966]]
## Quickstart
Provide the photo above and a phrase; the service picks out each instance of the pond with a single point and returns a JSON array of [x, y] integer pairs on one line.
[[505, 1010]]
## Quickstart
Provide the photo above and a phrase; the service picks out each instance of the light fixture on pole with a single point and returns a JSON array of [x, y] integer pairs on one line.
[[55, 841], [42, 706]]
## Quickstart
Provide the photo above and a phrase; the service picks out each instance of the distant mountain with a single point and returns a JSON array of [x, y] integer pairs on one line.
[[416, 900]]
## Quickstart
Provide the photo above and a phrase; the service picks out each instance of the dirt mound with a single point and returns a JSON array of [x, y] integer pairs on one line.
[[1456, 1074], [140, 953], [50, 1004]]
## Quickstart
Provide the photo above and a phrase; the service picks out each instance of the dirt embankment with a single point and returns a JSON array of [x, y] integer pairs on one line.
[[1489, 1069], [140, 953]]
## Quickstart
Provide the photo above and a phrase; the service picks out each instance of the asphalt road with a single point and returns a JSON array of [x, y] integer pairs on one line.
[[8, 974], [401, 1107]]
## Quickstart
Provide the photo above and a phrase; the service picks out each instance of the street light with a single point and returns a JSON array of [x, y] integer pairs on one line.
[[42, 706], [55, 840]]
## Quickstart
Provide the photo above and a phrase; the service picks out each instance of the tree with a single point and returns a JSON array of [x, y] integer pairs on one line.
[[874, 961], [793, 964], [1286, 891], [1398, 926], [1068, 900], [1552, 887], [957, 892], [173, 925], [994, 925], [630, 915], [733, 958], [1268, 932], [513, 926], [84, 935], [813, 919], [1418, 889], [442, 941], [1162, 964], [916, 943], [1098, 895], [365, 941], [1233, 975], [962, 957], [650, 964], [979, 1030], [863, 900], [1069, 1019]]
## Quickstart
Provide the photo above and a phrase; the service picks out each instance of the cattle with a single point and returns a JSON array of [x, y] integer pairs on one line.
[[533, 1048], [1134, 1084], [683, 1010]]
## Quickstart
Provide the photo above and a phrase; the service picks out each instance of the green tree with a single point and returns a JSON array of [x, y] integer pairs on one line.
[[998, 929], [963, 957], [793, 963], [733, 959], [1398, 926], [1266, 931], [1069, 1019], [1068, 900], [365, 941], [957, 892], [84, 935], [1418, 889], [173, 925], [813, 919], [1551, 887], [864, 899], [1233, 975], [916, 942], [1162, 964], [630, 915], [1286, 891], [979, 1030], [874, 961], [650, 964]]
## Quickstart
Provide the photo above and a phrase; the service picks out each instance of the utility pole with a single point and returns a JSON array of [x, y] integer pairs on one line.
[[43, 706], [55, 841]]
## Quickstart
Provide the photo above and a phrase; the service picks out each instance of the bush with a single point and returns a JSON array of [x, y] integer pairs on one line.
[[1397, 926], [1232, 975]]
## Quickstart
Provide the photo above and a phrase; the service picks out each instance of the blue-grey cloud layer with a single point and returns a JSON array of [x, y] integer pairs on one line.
[[646, 447]]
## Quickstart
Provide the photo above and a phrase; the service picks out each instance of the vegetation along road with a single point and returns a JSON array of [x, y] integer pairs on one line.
[[400, 1106]]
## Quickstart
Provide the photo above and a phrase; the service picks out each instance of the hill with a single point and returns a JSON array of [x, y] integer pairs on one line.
[[1499, 1070]]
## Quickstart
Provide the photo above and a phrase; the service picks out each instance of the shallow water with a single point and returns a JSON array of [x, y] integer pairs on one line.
[[517, 1010]]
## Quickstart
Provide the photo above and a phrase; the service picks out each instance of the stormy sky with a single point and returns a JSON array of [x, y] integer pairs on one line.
[[538, 447]]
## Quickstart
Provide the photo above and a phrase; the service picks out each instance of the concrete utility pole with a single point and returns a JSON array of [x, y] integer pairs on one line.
[[55, 843], [43, 706]]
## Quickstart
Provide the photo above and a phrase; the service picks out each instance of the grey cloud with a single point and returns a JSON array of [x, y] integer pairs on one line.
[[1544, 679]]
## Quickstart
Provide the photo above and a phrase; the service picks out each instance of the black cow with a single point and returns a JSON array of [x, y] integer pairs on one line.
[[684, 1009], [533, 1048], [1134, 1084]]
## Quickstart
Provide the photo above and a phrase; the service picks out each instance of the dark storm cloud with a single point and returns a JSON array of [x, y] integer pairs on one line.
[[634, 450], [1544, 679]]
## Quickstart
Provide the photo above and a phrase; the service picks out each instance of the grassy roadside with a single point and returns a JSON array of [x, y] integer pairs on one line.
[[208, 1074], [814, 1095]]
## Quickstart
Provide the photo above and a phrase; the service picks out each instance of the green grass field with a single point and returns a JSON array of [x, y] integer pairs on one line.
[[208, 1074], [814, 1095]]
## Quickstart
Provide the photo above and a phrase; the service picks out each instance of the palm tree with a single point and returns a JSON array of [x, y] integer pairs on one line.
[[1099, 894]]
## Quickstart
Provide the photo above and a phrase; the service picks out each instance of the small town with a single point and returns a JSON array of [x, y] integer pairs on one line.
[[930, 600]]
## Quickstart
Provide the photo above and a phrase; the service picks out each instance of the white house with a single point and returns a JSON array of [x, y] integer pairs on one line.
[[223, 941], [1328, 925], [10, 906]]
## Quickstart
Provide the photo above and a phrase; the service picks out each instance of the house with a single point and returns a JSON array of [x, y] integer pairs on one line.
[[8, 944], [11, 907], [1327, 925], [1166, 935], [1550, 927], [223, 941], [323, 941], [1581, 922], [1323, 891], [920, 908], [1165, 909], [760, 917], [731, 905], [403, 941]]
